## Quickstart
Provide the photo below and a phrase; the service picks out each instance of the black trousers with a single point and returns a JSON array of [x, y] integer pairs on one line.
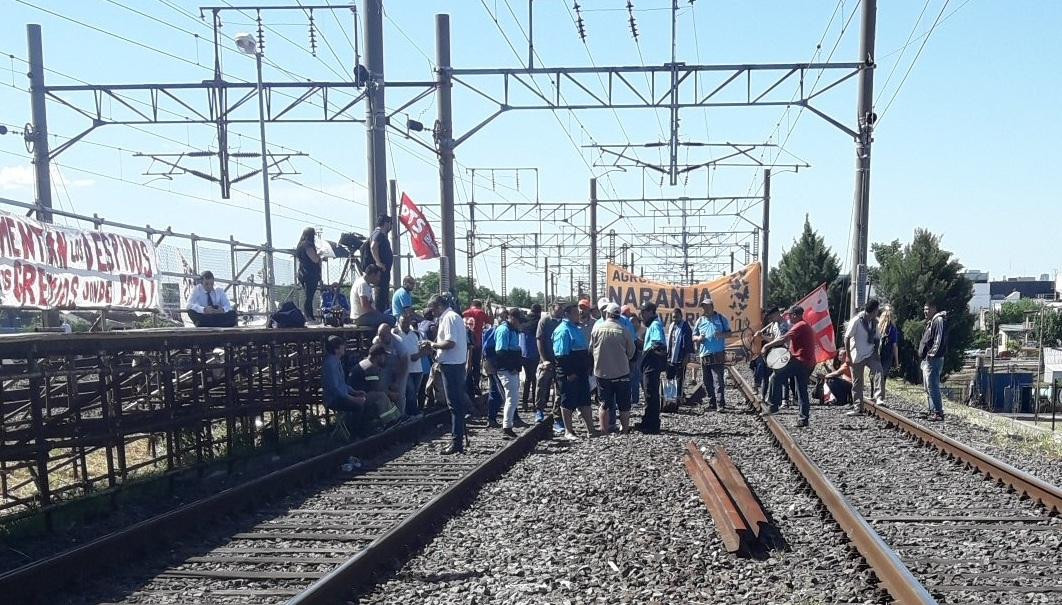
[[651, 385], [309, 288], [381, 291], [213, 320], [527, 400]]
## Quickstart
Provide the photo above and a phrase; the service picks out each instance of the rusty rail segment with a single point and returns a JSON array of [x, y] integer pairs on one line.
[[894, 575], [1024, 483], [51, 573], [357, 572], [733, 529], [84, 413]]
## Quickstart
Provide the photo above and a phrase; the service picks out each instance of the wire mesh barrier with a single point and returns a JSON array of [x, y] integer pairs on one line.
[[81, 414]]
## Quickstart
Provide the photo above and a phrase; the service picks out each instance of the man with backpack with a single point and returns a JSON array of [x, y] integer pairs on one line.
[[861, 339]]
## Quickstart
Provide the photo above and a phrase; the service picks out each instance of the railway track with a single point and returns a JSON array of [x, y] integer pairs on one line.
[[932, 530], [310, 544]]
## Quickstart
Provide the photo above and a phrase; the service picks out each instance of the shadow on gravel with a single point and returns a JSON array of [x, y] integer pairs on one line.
[[449, 576]]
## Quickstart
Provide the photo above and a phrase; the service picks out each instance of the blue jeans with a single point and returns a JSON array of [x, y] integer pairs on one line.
[[801, 373], [454, 384], [931, 368], [412, 390]]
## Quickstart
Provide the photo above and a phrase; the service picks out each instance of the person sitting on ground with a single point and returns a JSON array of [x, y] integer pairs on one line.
[[338, 395], [840, 379], [208, 306], [572, 351], [403, 297], [613, 350], [396, 368], [364, 313], [367, 376], [334, 304]]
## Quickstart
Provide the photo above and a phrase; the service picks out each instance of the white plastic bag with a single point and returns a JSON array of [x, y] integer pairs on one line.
[[671, 389]]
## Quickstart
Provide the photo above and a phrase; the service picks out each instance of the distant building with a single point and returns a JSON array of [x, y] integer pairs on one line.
[[1024, 287], [982, 299]]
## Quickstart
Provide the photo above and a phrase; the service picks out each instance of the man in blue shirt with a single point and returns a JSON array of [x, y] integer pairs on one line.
[[338, 395], [710, 337], [335, 304], [572, 352], [508, 363], [403, 296], [654, 361]]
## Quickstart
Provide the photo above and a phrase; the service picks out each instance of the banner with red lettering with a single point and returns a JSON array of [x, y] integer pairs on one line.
[[817, 315], [425, 246], [45, 266]]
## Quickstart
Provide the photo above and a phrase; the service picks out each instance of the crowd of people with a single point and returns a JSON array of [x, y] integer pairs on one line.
[[570, 362]]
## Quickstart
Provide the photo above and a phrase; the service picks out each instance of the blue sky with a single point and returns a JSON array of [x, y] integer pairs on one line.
[[965, 149]]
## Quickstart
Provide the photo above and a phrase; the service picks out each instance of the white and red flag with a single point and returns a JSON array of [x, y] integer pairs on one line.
[[425, 246], [817, 315]]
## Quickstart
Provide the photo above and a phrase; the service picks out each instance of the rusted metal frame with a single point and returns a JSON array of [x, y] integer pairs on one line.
[[116, 437], [274, 389], [304, 395], [36, 409], [231, 396], [738, 488], [169, 402], [1030, 485], [46, 575], [733, 529], [4, 493], [357, 571], [103, 370], [890, 570]]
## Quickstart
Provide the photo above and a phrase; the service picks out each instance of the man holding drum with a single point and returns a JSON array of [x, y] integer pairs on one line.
[[801, 341]]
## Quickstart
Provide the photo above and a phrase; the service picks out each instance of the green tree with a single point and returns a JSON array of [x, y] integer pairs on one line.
[[519, 297], [914, 274], [1015, 311], [805, 266]]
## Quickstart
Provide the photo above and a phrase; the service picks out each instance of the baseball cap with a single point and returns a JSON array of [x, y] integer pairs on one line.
[[603, 302], [707, 300], [612, 308]]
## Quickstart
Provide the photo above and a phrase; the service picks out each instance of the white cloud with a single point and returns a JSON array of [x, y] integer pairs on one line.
[[21, 178]]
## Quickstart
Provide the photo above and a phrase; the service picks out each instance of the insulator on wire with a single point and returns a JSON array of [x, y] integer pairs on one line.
[[313, 35], [634, 25], [579, 24]]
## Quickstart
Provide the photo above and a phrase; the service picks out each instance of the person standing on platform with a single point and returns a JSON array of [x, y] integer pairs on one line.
[[477, 319], [801, 341], [382, 257], [572, 352], [403, 297], [613, 350], [209, 306], [931, 350], [508, 363], [679, 349], [861, 339], [309, 273], [654, 361], [451, 345], [710, 336], [364, 313], [546, 376], [529, 356]]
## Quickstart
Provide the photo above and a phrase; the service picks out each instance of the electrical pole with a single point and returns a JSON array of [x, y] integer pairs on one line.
[[270, 277], [39, 133], [545, 275], [396, 240], [866, 119], [765, 236], [375, 112], [445, 142], [593, 240]]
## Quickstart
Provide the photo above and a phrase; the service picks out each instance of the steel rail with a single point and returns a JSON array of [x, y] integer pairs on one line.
[[358, 570], [897, 579], [51, 573], [1050, 496]]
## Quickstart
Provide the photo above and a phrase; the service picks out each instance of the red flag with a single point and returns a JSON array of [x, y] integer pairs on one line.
[[817, 315], [425, 246]]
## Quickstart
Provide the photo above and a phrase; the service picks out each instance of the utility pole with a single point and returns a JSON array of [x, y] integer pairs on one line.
[[866, 118], [396, 240], [765, 235], [445, 142], [593, 240], [731, 262], [270, 277], [38, 135], [545, 275], [375, 112]]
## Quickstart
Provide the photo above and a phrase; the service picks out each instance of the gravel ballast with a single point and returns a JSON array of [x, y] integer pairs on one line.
[[616, 520]]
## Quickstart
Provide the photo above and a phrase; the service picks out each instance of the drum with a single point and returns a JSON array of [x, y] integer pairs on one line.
[[777, 358]]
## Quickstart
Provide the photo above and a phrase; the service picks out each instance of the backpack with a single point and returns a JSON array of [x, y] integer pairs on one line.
[[365, 254], [289, 316]]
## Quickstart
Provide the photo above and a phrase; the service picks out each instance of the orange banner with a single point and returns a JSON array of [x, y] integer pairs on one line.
[[736, 296]]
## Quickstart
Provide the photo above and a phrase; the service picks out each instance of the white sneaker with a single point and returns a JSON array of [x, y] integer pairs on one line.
[[854, 412], [570, 437], [881, 403]]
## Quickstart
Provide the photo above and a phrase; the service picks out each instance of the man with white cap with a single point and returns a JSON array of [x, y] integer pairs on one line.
[[613, 348], [710, 337]]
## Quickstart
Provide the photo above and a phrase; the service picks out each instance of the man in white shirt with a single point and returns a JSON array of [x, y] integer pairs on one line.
[[451, 343], [861, 338], [362, 296], [208, 306], [411, 343]]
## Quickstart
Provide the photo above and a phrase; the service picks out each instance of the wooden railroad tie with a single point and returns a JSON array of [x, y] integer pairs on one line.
[[742, 524]]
